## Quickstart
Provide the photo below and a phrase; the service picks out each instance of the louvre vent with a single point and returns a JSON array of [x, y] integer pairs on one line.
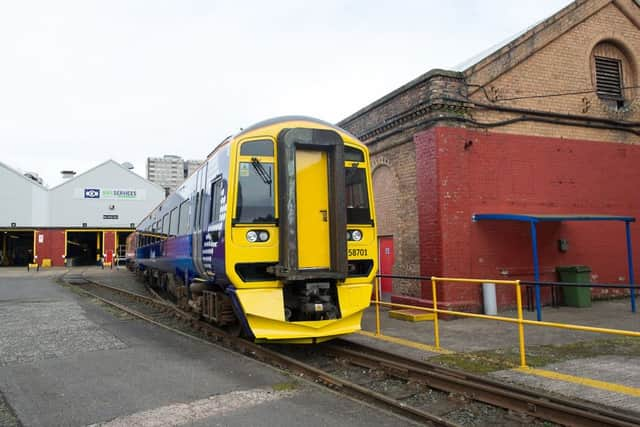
[[608, 78]]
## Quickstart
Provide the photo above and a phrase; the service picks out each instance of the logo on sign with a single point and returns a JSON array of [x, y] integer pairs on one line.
[[91, 193]]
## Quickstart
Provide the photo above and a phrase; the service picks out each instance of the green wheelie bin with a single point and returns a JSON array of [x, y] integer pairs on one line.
[[575, 296]]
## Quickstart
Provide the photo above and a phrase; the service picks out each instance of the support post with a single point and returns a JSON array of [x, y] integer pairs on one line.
[[632, 287], [536, 269]]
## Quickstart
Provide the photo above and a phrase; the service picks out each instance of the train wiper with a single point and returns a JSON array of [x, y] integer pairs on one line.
[[261, 171]]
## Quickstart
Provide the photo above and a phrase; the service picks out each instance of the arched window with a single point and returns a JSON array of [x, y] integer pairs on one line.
[[613, 75]]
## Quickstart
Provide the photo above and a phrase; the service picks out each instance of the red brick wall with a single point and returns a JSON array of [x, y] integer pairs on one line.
[[428, 194], [507, 173]]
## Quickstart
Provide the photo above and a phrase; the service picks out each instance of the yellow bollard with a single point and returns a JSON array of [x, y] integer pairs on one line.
[[377, 302], [435, 313], [523, 360]]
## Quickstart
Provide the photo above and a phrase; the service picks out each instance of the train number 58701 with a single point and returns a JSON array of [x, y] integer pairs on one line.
[[357, 252]]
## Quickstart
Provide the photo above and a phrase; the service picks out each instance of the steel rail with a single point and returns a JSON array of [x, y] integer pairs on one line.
[[538, 404], [270, 357]]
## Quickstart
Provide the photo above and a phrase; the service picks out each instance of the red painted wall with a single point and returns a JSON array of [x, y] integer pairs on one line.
[[52, 246], [461, 172], [109, 244]]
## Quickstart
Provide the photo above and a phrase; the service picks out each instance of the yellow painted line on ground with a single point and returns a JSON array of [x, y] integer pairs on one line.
[[405, 343], [602, 385]]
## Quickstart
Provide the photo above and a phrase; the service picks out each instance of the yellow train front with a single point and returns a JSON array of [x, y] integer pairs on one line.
[[273, 235], [301, 244]]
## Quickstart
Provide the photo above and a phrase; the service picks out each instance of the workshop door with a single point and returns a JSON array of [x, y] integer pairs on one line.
[[385, 262]]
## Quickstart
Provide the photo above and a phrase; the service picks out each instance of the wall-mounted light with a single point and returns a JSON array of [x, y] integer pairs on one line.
[[563, 245]]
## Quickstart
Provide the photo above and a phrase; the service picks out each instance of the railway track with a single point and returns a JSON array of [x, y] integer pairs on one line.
[[396, 383]]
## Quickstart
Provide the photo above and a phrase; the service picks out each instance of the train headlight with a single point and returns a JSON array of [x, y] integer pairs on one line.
[[354, 235], [257, 236]]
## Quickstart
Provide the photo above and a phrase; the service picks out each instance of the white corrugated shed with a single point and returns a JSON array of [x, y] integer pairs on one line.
[[106, 196], [23, 201]]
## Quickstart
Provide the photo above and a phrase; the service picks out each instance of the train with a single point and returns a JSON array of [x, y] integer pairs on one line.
[[273, 237]]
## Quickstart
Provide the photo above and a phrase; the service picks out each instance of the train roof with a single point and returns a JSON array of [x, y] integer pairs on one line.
[[281, 119]]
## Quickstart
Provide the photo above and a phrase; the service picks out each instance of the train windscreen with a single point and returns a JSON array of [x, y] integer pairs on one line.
[[356, 196], [255, 193]]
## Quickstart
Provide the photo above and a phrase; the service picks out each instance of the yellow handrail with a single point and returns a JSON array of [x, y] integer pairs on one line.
[[519, 320]]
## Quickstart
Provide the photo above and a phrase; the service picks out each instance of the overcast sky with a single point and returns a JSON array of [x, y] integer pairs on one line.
[[85, 81]]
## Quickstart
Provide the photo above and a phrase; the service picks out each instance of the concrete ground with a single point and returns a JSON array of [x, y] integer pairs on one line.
[[464, 335], [65, 361], [609, 380]]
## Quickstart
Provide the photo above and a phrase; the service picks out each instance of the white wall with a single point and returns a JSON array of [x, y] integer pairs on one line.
[[71, 204], [21, 200]]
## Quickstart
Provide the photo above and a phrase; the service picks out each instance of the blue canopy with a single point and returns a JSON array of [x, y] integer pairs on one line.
[[533, 219], [549, 217]]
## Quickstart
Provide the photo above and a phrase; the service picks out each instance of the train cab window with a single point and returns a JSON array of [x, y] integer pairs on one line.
[[183, 221], [263, 147], [356, 196], [256, 194], [173, 222], [353, 155]]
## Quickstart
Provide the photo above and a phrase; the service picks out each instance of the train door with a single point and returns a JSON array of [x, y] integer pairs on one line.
[[312, 217], [385, 262]]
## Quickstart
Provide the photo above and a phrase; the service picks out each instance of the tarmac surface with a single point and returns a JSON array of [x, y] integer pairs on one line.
[[66, 361]]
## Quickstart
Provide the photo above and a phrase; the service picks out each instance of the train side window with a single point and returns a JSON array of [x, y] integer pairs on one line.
[[200, 211], [216, 193], [183, 228], [165, 224], [196, 206], [173, 222]]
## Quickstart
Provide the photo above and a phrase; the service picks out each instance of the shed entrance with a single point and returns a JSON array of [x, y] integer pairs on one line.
[[83, 247], [16, 248]]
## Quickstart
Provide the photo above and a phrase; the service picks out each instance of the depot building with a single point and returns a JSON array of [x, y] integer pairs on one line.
[[87, 217]]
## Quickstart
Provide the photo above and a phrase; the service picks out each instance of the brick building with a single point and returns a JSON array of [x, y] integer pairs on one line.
[[549, 123]]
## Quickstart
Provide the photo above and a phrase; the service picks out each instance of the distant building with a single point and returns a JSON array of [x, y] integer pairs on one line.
[[170, 171], [85, 218]]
